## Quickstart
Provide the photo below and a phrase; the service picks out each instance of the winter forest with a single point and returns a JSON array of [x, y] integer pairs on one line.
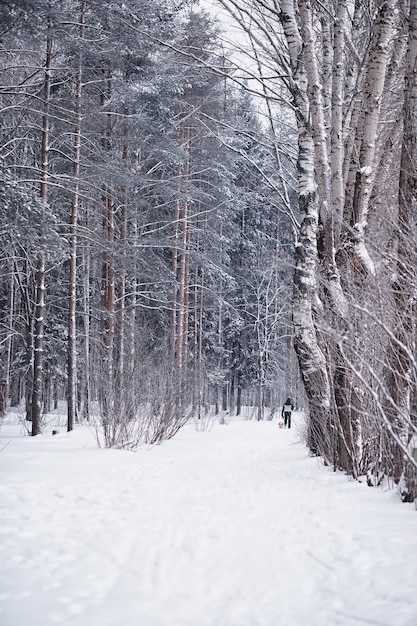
[[192, 224]]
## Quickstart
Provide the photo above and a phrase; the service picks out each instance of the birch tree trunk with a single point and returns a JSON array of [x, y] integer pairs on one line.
[[371, 108], [311, 358], [337, 105]]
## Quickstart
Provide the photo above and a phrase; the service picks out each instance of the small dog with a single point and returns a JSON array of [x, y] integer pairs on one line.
[[281, 424]]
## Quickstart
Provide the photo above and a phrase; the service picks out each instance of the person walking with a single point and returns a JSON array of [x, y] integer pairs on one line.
[[286, 412]]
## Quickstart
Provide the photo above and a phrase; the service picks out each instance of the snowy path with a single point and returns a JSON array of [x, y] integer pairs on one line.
[[232, 527]]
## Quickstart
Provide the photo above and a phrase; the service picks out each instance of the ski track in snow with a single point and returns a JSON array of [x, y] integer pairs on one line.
[[237, 526]]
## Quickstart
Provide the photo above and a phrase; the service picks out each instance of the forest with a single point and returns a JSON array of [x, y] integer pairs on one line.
[[192, 224]]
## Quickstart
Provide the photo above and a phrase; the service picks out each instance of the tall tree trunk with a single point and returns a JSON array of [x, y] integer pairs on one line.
[[108, 296], [123, 389], [131, 368], [9, 340], [39, 308], [72, 330], [337, 106], [183, 269], [400, 372], [311, 358], [108, 309], [86, 376], [38, 325], [371, 108], [174, 267]]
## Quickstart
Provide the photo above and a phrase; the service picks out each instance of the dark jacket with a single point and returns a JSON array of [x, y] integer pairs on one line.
[[288, 406]]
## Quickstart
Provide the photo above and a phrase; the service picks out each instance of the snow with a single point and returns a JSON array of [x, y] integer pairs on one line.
[[233, 526], [339, 300], [308, 189], [364, 257]]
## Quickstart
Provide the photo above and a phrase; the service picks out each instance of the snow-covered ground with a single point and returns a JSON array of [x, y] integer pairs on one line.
[[235, 526]]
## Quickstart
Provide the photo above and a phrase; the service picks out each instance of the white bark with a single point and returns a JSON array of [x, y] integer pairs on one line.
[[311, 358], [337, 102], [321, 159], [315, 99], [372, 100]]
